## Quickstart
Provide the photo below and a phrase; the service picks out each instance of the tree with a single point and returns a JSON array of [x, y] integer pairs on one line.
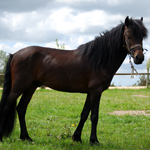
[[60, 46], [141, 81], [148, 64], [3, 60]]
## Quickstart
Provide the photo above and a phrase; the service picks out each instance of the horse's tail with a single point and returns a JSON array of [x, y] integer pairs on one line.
[[7, 119]]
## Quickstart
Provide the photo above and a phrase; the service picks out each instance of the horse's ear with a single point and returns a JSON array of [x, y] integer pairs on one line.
[[127, 21], [142, 19]]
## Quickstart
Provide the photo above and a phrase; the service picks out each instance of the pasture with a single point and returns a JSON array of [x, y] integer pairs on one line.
[[52, 118]]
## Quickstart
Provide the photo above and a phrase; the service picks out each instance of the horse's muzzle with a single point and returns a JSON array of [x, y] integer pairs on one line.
[[138, 59]]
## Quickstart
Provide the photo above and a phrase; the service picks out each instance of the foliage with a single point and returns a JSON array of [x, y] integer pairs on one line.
[[141, 81], [3, 60], [53, 116], [148, 64], [60, 46], [142, 78]]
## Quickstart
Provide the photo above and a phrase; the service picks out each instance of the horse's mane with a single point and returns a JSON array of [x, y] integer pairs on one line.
[[103, 49]]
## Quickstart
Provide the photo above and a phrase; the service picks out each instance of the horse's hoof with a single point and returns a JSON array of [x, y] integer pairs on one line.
[[26, 138], [76, 138], [29, 139], [94, 142]]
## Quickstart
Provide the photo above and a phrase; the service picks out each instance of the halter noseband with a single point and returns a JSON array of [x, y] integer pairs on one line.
[[132, 48]]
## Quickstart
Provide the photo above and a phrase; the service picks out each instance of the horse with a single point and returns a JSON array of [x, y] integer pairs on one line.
[[88, 69]]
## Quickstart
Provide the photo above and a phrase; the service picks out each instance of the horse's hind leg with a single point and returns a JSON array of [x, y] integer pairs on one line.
[[21, 108], [7, 118]]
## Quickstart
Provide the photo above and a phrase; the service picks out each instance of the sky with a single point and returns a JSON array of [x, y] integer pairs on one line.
[[73, 22]]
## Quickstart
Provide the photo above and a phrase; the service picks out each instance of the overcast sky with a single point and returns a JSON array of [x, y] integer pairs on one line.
[[72, 22]]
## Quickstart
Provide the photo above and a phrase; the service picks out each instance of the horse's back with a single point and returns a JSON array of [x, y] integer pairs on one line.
[[59, 69]]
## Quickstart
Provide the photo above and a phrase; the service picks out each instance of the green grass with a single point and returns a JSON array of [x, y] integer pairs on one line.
[[52, 118]]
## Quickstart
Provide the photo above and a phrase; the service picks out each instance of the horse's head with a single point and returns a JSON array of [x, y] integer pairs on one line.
[[134, 33]]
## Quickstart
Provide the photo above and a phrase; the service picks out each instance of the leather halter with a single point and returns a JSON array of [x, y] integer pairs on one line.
[[133, 48]]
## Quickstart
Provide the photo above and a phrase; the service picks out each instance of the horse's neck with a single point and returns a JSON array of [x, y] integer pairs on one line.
[[115, 65]]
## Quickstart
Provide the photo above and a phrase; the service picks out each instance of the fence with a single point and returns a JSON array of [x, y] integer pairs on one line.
[[147, 74]]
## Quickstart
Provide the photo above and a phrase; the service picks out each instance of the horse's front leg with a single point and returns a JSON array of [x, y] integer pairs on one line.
[[94, 102], [85, 112]]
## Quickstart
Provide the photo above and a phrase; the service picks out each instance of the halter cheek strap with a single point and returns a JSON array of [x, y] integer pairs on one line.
[[132, 48]]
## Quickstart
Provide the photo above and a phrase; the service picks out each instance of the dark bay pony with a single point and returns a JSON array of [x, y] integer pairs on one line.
[[88, 69]]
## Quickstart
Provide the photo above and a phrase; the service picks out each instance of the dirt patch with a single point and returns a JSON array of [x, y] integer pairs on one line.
[[140, 95], [127, 87], [131, 112]]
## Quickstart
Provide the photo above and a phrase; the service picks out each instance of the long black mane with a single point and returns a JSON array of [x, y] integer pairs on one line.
[[104, 48]]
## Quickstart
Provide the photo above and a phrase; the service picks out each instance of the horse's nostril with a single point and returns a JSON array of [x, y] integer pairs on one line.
[[137, 57]]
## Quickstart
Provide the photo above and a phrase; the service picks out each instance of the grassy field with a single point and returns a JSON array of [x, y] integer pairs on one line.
[[52, 118]]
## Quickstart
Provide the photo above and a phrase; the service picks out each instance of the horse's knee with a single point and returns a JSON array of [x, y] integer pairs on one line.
[[94, 118], [84, 115]]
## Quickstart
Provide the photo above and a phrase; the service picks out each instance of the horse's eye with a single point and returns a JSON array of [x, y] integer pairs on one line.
[[129, 37]]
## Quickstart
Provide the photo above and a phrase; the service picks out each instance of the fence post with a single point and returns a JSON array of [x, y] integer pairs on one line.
[[147, 80]]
